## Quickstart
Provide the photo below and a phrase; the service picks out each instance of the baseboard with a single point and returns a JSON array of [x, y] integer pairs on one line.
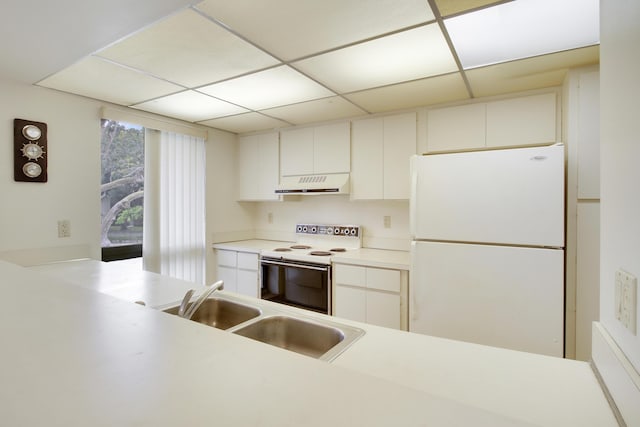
[[618, 376]]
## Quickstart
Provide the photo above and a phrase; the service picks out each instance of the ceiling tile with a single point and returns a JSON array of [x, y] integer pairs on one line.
[[95, 78], [522, 29], [316, 111], [271, 88], [292, 29], [531, 73], [450, 7], [243, 123], [413, 94], [420, 52], [190, 106], [190, 50]]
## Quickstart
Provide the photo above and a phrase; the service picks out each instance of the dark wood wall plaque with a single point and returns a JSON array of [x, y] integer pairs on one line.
[[29, 151]]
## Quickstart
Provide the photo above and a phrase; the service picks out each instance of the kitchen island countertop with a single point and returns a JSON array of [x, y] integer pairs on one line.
[[103, 353]]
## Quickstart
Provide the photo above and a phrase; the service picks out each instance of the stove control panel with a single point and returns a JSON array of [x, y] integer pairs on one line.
[[329, 230]]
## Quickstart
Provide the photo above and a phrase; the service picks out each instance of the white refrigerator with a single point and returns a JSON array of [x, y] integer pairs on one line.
[[487, 250]]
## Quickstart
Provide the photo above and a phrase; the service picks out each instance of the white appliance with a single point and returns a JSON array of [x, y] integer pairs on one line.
[[487, 251]]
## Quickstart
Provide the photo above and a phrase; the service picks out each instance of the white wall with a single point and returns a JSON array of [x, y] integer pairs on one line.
[[334, 209], [29, 211], [620, 173]]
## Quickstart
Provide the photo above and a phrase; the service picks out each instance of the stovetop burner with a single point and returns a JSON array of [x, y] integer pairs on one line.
[[337, 250], [282, 250], [320, 253], [300, 247]]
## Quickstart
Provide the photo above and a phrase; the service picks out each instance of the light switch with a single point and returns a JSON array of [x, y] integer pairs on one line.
[[626, 302]]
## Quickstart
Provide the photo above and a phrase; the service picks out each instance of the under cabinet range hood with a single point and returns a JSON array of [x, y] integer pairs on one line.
[[337, 183]]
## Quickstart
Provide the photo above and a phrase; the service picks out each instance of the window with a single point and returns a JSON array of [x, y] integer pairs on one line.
[[122, 190]]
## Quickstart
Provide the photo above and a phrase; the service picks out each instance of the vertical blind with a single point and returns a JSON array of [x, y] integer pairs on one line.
[[174, 242]]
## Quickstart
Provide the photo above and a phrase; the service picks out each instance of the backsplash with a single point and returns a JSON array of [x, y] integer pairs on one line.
[[277, 220]]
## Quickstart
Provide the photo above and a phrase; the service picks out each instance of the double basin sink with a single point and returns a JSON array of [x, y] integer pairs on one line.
[[318, 338]]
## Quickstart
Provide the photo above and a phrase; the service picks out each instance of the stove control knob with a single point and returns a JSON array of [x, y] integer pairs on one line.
[[314, 229], [304, 229], [299, 228], [352, 231]]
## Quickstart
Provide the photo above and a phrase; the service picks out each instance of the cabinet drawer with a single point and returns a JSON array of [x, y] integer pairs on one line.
[[350, 275], [384, 280], [247, 261], [226, 258]]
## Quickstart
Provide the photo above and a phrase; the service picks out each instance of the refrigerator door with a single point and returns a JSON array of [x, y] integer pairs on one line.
[[513, 196], [508, 297]]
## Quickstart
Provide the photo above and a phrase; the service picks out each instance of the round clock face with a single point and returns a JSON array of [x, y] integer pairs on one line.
[[31, 132], [32, 170], [32, 151]]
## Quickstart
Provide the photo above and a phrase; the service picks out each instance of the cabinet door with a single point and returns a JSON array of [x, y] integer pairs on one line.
[[226, 258], [456, 128], [367, 159], [296, 152], [228, 275], [350, 303], [248, 173], [331, 148], [589, 136], [522, 121], [248, 261], [383, 309], [247, 283], [353, 275], [268, 164], [399, 136]]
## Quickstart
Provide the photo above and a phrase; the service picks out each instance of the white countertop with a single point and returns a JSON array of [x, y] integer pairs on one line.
[[75, 357], [364, 256], [77, 354]]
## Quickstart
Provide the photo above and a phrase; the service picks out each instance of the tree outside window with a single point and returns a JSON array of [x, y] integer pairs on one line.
[[122, 185]]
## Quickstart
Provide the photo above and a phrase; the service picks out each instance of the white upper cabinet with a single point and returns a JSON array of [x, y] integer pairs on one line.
[[381, 148], [528, 120], [522, 121], [455, 128], [258, 168], [315, 150]]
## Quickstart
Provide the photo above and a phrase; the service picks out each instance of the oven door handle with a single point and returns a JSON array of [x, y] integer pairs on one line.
[[286, 264]]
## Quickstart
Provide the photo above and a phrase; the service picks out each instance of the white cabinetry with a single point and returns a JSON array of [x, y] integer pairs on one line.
[[528, 120], [370, 295], [381, 148], [315, 150], [258, 166], [239, 270]]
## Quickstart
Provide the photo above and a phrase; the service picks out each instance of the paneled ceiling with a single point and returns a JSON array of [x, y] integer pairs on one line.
[[249, 65]]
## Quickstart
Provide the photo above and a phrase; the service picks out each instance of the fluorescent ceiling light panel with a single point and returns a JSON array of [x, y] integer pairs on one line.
[[190, 106], [247, 122], [96, 78], [449, 7], [319, 110], [523, 28], [190, 50], [409, 55], [271, 88], [292, 28]]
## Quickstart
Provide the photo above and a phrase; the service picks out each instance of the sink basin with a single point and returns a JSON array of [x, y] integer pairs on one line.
[[221, 313], [302, 336]]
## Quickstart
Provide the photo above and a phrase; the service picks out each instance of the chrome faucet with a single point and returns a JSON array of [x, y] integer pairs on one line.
[[187, 313]]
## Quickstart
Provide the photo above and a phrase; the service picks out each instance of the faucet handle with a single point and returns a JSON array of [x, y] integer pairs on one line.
[[185, 302]]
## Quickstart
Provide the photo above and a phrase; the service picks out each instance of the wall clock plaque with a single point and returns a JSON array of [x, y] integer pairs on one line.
[[29, 151]]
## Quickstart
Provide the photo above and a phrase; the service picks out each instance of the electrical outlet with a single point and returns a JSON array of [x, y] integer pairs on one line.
[[270, 218], [626, 300], [387, 221], [64, 228]]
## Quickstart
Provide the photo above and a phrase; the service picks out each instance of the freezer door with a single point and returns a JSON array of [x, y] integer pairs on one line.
[[513, 196], [506, 297]]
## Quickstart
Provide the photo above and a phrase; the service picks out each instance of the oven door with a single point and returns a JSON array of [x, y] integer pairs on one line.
[[299, 284]]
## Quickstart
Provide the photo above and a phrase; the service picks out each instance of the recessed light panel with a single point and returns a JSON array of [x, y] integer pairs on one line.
[[190, 106], [247, 122], [292, 28], [271, 88], [412, 54], [523, 28], [319, 110]]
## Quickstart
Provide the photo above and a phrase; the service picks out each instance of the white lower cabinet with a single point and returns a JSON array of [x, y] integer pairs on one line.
[[239, 270], [371, 295]]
